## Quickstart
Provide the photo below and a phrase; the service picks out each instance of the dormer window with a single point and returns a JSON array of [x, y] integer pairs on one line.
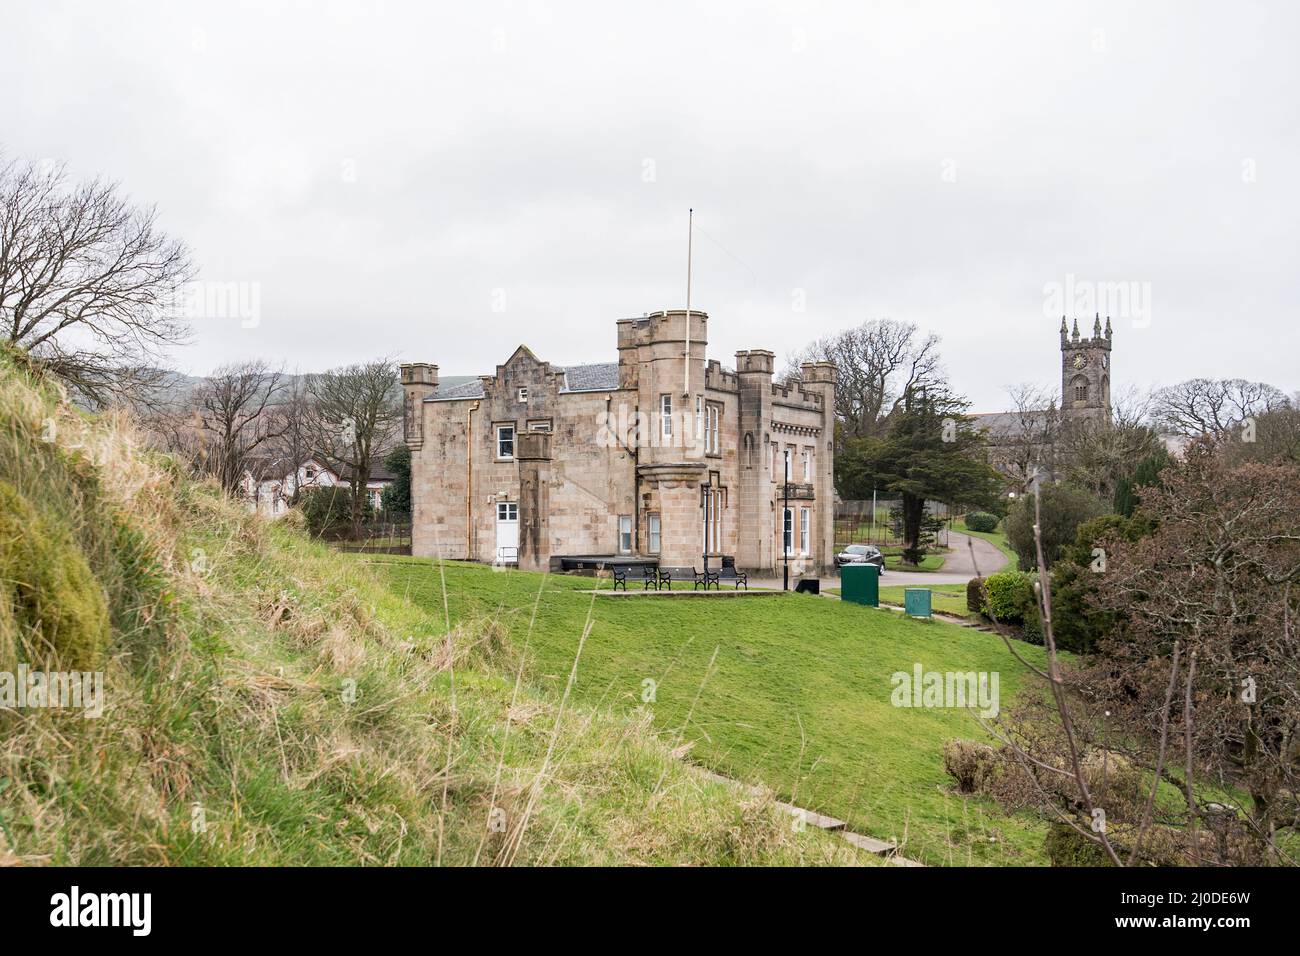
[[523, 393]]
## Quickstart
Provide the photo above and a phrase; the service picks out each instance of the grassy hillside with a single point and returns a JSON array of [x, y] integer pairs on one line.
[[787, 690], [269, 701]]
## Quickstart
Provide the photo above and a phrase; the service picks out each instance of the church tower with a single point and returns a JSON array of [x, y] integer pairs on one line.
[[1085, 373]]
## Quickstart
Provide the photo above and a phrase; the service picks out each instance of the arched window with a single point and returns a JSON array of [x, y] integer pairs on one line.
[[1080, 386]]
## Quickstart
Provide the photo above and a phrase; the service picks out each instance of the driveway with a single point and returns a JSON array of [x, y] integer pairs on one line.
[[960, 566], [958, 569]]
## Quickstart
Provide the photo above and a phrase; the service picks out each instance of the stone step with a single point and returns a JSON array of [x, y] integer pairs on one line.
[[812, 818], [881, 848], [870, 844]]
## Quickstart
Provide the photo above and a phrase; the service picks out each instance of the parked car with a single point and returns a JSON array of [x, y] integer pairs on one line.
[[861, 554]]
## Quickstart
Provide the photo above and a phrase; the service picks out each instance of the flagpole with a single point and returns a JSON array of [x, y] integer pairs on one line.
[[690, 236]]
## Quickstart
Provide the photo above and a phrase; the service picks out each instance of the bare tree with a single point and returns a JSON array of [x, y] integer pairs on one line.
[[878, 362], [295, 414], [1275, 437], [357, 415], [1206, 599], [1029, 446], [237, 409], [88, 282], [175, 427], [1210, 406], [1097, 455]]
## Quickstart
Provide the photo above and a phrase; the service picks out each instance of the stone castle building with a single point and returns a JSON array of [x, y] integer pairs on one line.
[[1023, 439], [662, 455]]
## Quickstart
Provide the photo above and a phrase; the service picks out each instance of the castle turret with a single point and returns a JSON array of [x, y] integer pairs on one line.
[[820, 378], [754, 373], [419, 381]]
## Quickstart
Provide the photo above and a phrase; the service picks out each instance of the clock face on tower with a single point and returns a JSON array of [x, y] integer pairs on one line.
[[1080, 361]]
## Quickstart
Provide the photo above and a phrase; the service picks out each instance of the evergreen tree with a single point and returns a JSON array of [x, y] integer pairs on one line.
[[929, 452]]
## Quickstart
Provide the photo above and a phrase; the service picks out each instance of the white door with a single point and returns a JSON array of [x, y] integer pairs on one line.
[[507, 532]]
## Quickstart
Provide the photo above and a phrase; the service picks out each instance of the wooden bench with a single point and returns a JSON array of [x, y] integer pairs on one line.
[[683, 574], [728, 572]]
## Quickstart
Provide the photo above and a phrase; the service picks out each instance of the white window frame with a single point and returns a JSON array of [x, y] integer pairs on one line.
[[807, 464], [713, 415], [805, 530], [787, 531], [624, 531], [523, 394], [500, 438], [654, 533], [666, 417], [701, 426]]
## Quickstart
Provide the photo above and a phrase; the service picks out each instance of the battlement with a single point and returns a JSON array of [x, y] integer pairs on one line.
[[1099, 340]]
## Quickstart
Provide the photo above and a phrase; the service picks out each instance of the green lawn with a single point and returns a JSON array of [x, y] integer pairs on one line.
[[792, 691], [949, 598], [930, 562]]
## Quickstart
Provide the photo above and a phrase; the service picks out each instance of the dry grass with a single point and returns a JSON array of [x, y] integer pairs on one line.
[[267, 702]]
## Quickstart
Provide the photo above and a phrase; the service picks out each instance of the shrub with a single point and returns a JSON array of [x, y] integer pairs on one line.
[[968, 763], [1077, 625], [1031, 630], [396, 498], [1064, 508], [981, 521], [328, 511], [1066, 846], [1010, 596], [54, 602], [975, 595]]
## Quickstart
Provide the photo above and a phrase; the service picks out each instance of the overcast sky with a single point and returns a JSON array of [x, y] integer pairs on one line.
[[443, 184]]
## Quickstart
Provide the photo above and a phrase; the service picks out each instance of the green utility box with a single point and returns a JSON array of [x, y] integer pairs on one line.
[[860, 583], [916, 602]]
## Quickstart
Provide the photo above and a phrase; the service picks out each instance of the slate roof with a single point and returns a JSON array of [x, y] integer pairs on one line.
[[599, 377], [1009, 424], [596, 377], [448, 392]]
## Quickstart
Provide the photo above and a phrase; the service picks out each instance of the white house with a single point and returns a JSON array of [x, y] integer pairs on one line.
[[269, 483]]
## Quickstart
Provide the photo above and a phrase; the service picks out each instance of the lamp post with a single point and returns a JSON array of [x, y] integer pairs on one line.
[[787, 527]]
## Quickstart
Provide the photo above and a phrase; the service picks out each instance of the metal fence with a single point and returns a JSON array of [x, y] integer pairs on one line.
[[858, 522], [382, 537]]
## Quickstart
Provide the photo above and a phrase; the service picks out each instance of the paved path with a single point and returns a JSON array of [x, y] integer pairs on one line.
[[960, 566], [957, 569]]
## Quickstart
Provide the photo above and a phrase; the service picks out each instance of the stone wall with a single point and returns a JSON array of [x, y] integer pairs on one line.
[[607, 455]]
